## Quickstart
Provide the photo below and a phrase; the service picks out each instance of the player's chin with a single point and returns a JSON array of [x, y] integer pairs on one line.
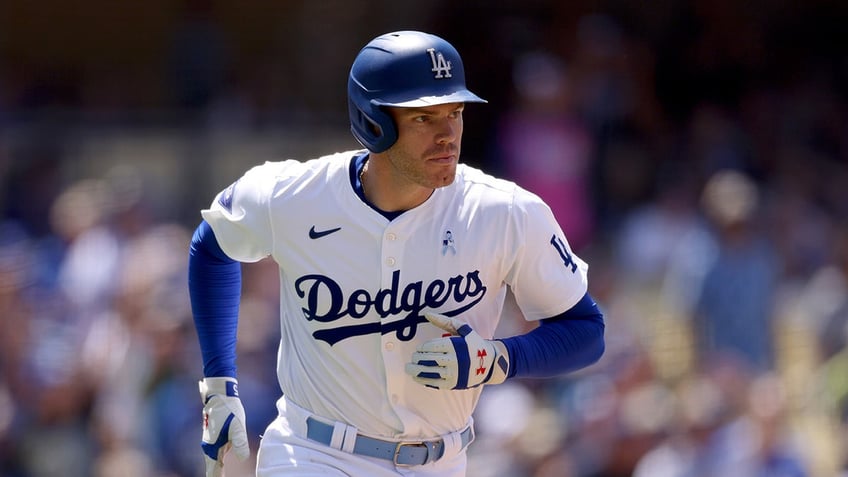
[[443, 175], [443, 178], [446, 181]]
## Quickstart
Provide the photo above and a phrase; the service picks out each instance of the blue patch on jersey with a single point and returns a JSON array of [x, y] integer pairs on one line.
[[226, 197]]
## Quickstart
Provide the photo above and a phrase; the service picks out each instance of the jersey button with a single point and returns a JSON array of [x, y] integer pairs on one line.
[[390, 346], [390, 261], [391, 236]]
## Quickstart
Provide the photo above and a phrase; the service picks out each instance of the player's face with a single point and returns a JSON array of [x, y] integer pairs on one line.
[[427, 149]]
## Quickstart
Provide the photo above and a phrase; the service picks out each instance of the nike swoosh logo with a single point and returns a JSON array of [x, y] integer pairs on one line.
[[315, 234]]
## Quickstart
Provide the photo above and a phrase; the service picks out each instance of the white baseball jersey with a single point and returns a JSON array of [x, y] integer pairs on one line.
[[354, 285]]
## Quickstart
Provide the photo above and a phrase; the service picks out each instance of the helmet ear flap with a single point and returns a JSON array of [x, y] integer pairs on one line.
[[376, 131]]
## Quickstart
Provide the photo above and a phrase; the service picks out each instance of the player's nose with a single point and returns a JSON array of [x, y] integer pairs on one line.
[[448, 132]]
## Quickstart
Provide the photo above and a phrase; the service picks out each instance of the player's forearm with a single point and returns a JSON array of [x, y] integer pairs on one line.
[[559, 345], [214, 283]]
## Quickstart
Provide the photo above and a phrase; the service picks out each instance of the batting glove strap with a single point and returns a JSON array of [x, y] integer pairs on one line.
[[458, 362], [223, 423], [500, 366]]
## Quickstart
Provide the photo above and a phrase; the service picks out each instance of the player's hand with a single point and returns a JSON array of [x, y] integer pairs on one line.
[[223, 423], [463, 361]]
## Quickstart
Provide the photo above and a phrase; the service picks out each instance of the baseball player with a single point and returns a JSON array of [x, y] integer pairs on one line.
[[394, 262]]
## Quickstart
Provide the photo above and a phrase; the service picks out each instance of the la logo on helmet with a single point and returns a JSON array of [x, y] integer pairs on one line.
[[440, 66]]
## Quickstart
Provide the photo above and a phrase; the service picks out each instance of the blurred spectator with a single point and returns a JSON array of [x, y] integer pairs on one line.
[[650, 239], [543, 145], [86, 276], [734, 311], [719, 434]]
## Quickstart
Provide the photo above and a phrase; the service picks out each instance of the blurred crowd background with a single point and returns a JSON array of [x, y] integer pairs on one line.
[[695, 152]]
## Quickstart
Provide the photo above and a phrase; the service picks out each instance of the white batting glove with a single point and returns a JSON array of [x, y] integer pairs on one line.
[[223, 423], [463, 361]]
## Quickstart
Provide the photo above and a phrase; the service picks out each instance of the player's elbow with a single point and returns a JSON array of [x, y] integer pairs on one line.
[[597, 346], [594, 344], [591, 333]]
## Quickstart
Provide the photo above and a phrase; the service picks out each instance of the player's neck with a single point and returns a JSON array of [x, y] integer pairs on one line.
[[389, 191]]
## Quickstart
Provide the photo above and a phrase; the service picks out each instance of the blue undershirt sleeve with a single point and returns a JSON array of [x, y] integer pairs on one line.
[[214, 283], [564, 343]]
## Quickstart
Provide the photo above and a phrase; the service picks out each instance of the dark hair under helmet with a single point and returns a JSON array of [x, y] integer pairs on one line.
[[403, 69]]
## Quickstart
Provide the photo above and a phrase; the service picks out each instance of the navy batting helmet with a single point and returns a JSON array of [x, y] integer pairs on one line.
[[403, 69]]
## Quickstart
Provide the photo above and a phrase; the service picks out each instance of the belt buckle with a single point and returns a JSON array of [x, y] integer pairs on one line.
[[405, 444]]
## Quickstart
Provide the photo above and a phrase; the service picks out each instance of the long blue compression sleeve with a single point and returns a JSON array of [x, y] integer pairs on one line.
[[561, 344], [214, 283]]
